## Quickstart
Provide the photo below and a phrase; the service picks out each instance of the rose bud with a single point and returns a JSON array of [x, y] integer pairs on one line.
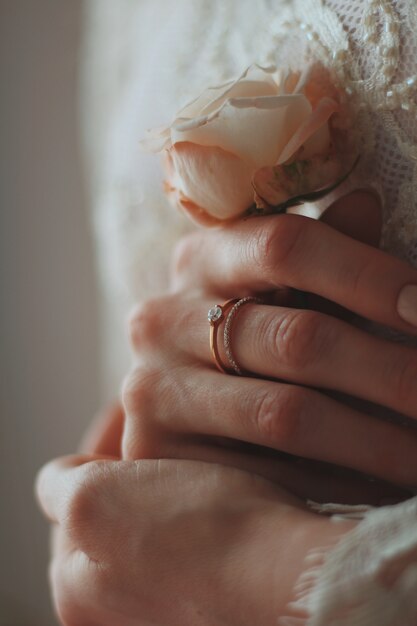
[[258, 139]]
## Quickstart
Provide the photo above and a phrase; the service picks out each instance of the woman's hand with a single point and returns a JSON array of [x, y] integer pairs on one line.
[[173, 542], [267, 253], [178, 405]]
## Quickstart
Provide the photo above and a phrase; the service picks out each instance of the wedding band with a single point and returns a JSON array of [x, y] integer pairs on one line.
[[215, 317], [228, 332]]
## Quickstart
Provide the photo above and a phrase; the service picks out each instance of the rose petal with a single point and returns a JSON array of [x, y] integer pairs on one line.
[[313, 133], [269, 188], [295, 181], [293, 81], [319, 85], [213, 179], [196, 106], [197, 213], [254, 81], [255, 129]]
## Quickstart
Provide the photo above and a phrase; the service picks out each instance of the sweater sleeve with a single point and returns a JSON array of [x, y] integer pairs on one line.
[[369, 578]]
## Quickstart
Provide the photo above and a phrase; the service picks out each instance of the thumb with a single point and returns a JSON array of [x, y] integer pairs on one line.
[[357, 215]]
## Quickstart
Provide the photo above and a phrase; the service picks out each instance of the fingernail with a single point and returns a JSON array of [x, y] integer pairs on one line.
[[407, 304]]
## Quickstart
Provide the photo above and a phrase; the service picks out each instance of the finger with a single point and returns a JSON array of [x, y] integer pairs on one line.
[[60, 482], [356, 217], [305, 479], [104, 434], [361, 221], [295, 345], [147, 436], [320, 351], [293, 419], [261, 253]]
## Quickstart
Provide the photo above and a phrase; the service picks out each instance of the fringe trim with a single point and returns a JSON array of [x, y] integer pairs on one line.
[[372, 602]]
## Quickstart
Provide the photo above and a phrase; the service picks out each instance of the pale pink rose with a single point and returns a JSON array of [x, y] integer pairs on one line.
[[224, 149]]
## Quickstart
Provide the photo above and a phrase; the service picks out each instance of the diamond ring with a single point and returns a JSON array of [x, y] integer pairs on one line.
[[215, 317]]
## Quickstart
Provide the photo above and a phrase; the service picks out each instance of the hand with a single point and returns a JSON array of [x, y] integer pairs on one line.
[[173, 542], [177, 404]]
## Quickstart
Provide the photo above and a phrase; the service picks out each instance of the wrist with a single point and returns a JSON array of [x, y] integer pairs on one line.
[[259, 574]]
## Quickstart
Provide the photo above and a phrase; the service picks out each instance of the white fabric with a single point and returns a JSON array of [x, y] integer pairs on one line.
[[144, 60], [369, 578]]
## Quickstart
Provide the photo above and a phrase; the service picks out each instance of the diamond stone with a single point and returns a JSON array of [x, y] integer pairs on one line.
[[215, 314]]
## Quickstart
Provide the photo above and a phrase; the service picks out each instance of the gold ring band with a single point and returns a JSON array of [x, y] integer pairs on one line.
[[215, 317]]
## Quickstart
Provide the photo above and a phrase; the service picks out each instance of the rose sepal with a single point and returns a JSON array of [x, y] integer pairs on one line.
[[262, 208]]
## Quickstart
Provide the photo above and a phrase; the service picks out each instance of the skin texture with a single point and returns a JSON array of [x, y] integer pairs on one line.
[[133, 535], [178, 405], [177, 543]]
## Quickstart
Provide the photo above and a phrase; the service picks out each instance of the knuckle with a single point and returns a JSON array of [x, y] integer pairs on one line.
[[137, 441], [82, 503], [102, 579], [139, 397], [64, 598], [277, 243], [278, 417], [298, 338], [146, 323], [139, 390], [66, 587]]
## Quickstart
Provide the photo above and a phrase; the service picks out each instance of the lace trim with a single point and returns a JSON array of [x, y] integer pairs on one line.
[[383, 96]]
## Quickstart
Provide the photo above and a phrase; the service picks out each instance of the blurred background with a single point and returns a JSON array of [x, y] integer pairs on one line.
[[48, 328]]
